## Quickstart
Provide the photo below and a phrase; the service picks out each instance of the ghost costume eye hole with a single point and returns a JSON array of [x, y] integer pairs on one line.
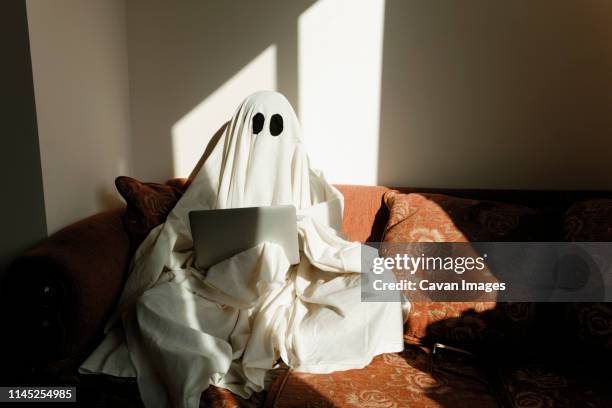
[[276, 124], [258, 123]]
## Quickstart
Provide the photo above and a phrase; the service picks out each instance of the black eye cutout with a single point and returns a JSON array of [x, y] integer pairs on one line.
[[276, 124], [258, 123]]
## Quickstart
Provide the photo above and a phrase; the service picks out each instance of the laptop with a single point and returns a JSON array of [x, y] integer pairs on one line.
[[221, 234]]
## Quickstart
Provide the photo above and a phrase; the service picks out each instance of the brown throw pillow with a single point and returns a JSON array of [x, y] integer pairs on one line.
[[473, 325], [440, 218], [589, 221], [148, 205], [590, 323]]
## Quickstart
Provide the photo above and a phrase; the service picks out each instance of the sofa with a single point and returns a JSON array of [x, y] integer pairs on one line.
[[58, 295]]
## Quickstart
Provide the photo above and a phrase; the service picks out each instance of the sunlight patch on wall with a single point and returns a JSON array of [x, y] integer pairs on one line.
[[192, 132], [340, 65]]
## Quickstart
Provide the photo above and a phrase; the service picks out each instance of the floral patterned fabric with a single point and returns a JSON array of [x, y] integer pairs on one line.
[[414, 378], [148, 205], [440, 218], [589, 221], [481, 327], [543, 386], [594, 321], [394, 380], [590, 323], [463, 322]]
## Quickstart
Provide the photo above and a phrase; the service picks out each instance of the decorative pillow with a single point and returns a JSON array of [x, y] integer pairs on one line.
[[589, 221], [440, 218], [593, 322], [482, 327], [148, 205]]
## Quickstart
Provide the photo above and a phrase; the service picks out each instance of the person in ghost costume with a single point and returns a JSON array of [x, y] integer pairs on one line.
[[178, 329]]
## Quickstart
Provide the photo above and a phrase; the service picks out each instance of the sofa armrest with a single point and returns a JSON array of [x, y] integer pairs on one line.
[[60, 292]]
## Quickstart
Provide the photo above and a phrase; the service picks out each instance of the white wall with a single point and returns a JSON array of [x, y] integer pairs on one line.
[[340, 62], [192, 62], [474, 94], [398, 92], [497, 94], [80, 70]]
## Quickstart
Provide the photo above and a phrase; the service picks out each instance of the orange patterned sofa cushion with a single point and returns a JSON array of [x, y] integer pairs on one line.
[[440, 218], [537, 384], [391, 380], [418, 217], [590, 324], [589, 221]]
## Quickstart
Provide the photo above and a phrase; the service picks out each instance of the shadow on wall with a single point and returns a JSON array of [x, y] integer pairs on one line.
[[496, 95], [24, 221], [182, 53], [478, 95]]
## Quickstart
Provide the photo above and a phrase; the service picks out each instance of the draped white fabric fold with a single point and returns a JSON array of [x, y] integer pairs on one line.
[[178, 329]]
